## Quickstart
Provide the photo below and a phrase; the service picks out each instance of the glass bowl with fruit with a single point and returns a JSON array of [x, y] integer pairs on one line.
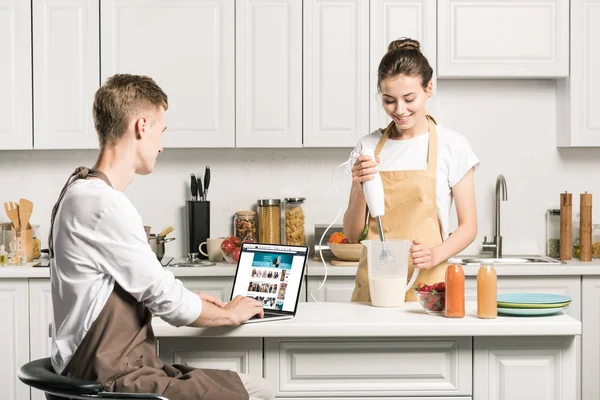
[[432, 297], [231, 248]]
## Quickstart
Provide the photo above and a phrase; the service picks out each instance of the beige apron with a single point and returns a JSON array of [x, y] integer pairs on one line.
[[119, 349], [410, 213]]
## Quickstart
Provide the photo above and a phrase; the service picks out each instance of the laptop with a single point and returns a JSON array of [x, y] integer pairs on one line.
[[271, 273]]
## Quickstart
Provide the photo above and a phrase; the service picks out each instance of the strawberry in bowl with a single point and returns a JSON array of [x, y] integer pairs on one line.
[[432, 297]]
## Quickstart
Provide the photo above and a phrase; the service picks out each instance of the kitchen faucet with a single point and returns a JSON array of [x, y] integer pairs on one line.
[[496, 245]]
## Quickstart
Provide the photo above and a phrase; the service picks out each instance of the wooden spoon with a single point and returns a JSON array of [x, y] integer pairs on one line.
[[12, 211], [25, 210]]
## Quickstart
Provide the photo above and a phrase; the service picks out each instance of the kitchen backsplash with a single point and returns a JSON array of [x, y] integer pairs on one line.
[[510, 124]]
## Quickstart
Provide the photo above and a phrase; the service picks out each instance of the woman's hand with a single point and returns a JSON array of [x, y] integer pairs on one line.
[[364, 168], [422, 255]]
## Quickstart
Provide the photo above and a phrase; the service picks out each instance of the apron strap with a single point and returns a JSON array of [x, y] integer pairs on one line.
[[79, 173], [433, 146]]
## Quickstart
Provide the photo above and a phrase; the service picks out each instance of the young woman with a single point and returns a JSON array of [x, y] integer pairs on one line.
[[424, 168]]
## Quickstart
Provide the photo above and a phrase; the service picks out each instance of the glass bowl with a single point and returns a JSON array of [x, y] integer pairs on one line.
[[432, 302]]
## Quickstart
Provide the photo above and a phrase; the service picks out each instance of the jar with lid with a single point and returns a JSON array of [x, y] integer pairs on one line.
[[36, 241], [576, 232], [294, 221], [455, 290], [596, 241], [487, 291], [269, 221], [244, 223], [553, 233]]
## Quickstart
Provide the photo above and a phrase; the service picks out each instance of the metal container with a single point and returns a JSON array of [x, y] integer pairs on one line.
[[157, 244]]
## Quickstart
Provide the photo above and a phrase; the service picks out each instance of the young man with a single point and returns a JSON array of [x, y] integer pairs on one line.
[[107, 282]]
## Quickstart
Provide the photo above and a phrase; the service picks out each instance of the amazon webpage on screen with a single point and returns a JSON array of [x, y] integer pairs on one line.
[[271, 274]]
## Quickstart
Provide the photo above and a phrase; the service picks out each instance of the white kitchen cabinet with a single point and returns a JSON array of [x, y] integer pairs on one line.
[[336, 288], [40, 318], [14, 337], [524, 368], [268, 73], [336, 72], [578, 97], [240, 355], [391, 20], [66, 73], [217, 286], [564, 285], [15, 75], [504, 39], [187, 47], [590, 347], [342, 368]]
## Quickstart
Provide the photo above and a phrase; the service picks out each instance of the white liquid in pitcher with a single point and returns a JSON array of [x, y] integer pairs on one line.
[[387, 292]]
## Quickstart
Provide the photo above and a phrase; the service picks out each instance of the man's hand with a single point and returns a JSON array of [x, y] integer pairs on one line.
[[211, 299], [243, 308]]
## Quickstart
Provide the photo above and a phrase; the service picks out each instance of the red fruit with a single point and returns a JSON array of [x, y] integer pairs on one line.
[[227, 246], [235, 254], [236, 241], [441, 287], [345, 240]]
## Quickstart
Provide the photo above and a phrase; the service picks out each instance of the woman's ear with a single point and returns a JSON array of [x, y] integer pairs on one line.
[[429, 89]]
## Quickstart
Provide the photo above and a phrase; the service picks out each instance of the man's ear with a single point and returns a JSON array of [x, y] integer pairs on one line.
[[140, 127]]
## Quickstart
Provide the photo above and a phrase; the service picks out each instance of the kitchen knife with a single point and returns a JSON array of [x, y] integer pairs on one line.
[[199, 188], [193, 186], [206, 180]]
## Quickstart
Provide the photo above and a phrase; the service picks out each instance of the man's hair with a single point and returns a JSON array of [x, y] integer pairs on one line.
[[121, 98]]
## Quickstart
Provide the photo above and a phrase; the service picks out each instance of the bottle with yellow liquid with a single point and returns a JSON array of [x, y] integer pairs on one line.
[[487, 291], [3, 256]]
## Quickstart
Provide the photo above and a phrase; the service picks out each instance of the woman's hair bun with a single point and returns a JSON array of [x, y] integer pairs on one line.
[[404, 43]]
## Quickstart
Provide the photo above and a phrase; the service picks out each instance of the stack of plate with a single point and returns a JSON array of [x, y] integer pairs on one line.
[[531, 303]]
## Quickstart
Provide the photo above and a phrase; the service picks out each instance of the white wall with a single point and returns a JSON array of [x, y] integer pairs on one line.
[[509, 123]]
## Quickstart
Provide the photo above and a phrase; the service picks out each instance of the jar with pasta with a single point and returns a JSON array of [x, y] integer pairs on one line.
[[269, 221], [294, 221], [245, 225]]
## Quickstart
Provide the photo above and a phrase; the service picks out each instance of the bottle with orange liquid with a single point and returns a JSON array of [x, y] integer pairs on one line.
[[487, 290], [455, 290]]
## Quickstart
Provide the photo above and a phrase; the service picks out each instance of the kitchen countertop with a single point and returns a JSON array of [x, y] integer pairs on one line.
[[316, 269], [345, 319]]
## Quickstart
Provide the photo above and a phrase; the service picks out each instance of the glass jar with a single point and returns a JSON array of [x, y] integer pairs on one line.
[[36, 242], [553, 233], [596, 241], [294, 221], [244, 223], [575, 237], [269, 221]]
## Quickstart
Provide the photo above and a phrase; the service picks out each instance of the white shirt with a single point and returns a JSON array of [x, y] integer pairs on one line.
[[455, 159], [99, 239]]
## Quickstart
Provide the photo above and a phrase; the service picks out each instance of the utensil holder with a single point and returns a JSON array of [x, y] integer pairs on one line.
[[198, 213]]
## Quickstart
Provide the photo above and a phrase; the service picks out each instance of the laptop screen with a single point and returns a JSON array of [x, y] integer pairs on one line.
[[272, 274]]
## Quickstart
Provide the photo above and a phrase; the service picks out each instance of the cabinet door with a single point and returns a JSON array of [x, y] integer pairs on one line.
[[240, 354], [187, 47], [66, 50], [391, 20], [220, 287], [590, 347], [268, 73], [15, 75], [564, 285], [524, 368], [14, 337], [336, 72], [578, 97], [40, 317], [336, 288], [512, 38]]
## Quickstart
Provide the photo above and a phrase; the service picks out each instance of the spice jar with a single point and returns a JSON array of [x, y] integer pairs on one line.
[[596, 241], [294, 221], [576, 232], [36, 242], [269, 221], [245, 225], [553, 233]]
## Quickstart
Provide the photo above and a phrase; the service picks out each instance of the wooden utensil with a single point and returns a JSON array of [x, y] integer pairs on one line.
[[12, 211], [25, 210], [166, 231], [566, 213], [585, 226]]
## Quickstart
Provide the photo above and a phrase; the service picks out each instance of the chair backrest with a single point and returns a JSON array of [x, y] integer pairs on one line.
[[40, 375]]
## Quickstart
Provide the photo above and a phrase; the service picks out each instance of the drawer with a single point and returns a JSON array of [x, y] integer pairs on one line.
[[369, 367]]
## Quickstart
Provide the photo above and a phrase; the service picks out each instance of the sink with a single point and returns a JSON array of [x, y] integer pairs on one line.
[[514, 260]]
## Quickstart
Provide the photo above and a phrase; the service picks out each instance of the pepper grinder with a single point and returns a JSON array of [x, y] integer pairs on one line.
[[566, 212], [585, 226]]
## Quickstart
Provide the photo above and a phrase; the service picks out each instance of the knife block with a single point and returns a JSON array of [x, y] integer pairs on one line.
[[198, 213]]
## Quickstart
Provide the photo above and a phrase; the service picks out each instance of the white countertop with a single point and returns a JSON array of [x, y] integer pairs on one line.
[[316, 269], [362, 320]]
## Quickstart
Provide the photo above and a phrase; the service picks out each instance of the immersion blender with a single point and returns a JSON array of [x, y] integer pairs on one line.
[[373, 190]]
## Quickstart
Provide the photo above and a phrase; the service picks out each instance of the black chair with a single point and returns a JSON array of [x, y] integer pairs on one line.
[[40, 375]]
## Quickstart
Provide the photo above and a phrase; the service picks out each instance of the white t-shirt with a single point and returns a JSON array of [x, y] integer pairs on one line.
[[455, 159], [99, 239]]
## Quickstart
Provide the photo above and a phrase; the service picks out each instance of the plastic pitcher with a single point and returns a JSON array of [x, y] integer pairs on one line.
[[388, 271]]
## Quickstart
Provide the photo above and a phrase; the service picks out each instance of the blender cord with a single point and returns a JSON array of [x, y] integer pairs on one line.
[[353, 156]]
